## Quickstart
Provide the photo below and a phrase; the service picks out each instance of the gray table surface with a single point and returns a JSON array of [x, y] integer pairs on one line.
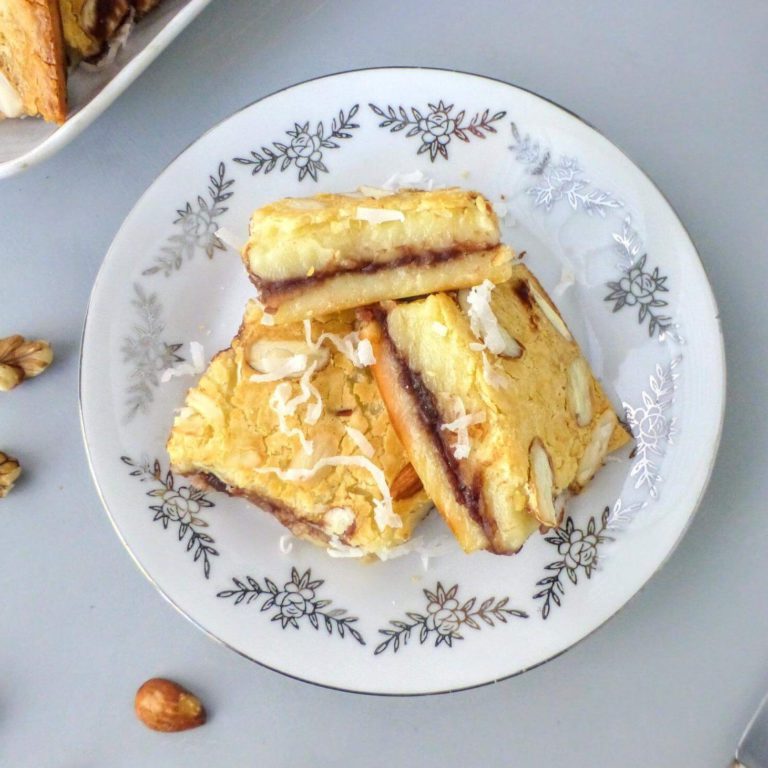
[[683, 88]]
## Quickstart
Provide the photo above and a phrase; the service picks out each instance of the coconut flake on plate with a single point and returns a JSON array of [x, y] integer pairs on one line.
[[285, 543], [336, 548], [410, 180], [192, 368], [230, 239], [567, 280]]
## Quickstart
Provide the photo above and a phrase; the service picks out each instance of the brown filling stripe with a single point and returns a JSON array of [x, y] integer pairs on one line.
[[429, 415], [408, 257]]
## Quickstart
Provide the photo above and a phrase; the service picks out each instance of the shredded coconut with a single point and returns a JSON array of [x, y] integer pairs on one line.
[[383, 513], [460, 426], [267, 319], [228, 237], [286, 543], [493, 375], [360, 440], [484, 323], [358, 352], [412, 180], [338, 519], [476, 346], [365, 353], [567, 279], [336, 548], [378, 215], [440, 329], [283, 407], [192, 368]]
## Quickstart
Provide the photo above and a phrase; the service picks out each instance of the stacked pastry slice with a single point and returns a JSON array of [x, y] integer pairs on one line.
[[41, 39], [456, 379]]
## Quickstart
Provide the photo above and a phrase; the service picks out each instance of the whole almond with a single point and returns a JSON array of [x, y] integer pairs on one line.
[[405, 484], [163, 705]]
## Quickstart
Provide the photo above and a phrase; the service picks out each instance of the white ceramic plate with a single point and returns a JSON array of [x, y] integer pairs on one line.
[[605, 243], [28, 141]]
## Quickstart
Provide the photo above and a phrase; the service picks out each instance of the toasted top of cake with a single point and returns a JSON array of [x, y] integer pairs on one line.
[[32, 67], [250, 438], [508, 414], [328, 233]]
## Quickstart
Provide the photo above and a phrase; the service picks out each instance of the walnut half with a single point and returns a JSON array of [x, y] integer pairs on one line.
[[10, 469], [21, 359]]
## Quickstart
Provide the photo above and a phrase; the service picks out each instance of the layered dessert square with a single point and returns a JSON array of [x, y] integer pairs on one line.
[[495, 405], [290, 418], [309, 257]]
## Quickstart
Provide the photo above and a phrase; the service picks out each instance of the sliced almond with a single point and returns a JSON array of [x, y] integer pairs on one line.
[[597, 448], [550, 312], [406, 483], [543, 481], [580, 391], [269, 355], [205, 406]]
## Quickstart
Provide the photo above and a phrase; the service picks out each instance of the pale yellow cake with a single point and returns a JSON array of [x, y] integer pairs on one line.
[[229, 436], [312, 256], [496, 406]]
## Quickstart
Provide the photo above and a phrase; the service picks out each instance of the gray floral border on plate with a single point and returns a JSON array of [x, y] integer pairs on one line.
[[146, 352], [437, 125], [444, 617], [304, 151], [294, 604], [652, 427], [196, 225], [180, 505]]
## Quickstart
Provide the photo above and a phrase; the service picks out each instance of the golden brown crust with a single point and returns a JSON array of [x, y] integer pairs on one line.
[[32, 56]]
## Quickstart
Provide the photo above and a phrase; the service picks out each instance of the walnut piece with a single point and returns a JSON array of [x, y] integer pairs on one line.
[[10, 470], [21, 359]]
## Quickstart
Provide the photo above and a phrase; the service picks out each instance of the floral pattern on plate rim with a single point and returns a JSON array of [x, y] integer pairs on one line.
[[304, 151], [296, 601], [181, 505], [436, 127], [197, 224], [652, 427], [146, 352], [444, 617], [558, 179]]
